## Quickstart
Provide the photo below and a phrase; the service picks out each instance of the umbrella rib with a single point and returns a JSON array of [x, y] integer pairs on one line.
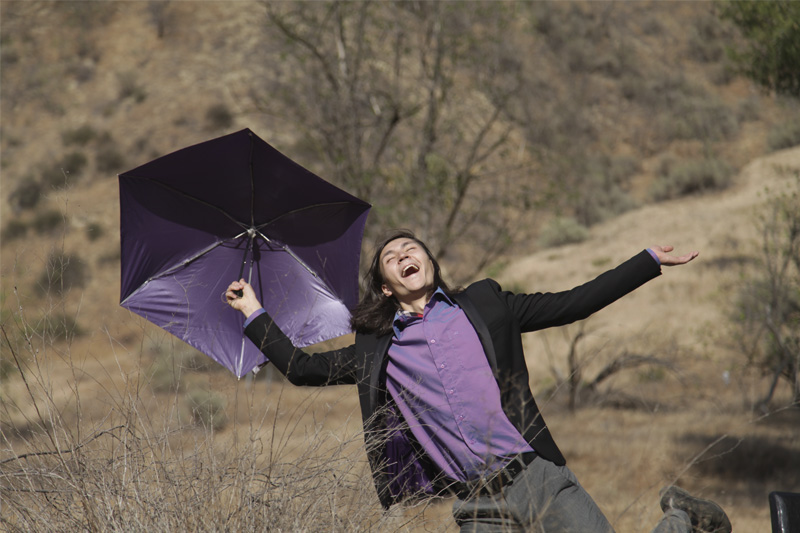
[[301, 209], [174, 268], [289, 251], [196, 199]]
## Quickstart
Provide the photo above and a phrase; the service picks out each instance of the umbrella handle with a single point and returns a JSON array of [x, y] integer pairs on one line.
[[252, 234]]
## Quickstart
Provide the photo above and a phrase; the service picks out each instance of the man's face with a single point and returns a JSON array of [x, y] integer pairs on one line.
[[406, 269]]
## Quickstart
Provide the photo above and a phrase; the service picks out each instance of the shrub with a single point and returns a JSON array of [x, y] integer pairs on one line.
[[48, 222], [705, 41], [749, 109], [14, 229], [65, 171], [129, 87], [62, 273], [691, 177], [94, 231], [109, 159], [699, 117], [208, 408], [561, 231], [218, 117], [54, 178], [74, 162], [165, 374], [80, 136], [108, 258], [784, 135], [197, 361], [26, 195], [57, 327], [604, 192]]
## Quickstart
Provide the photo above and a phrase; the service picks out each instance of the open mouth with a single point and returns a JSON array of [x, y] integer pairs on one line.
[[409, 270]]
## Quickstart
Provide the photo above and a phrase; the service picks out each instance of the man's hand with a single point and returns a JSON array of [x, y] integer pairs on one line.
[[662, 252], [247, 303]]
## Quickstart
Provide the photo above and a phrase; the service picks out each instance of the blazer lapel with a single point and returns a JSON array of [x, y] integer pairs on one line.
[[381, 349], [477, 322]]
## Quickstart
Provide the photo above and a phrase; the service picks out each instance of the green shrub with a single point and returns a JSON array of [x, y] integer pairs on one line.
[[208, 408], [197, 361], [690, 177], [784, 135], [165, 374], [561, 231]]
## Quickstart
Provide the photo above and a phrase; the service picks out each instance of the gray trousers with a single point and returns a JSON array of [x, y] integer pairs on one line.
[[545, 498]]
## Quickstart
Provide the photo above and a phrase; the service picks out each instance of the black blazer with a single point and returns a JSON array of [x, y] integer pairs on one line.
[[499, 317]]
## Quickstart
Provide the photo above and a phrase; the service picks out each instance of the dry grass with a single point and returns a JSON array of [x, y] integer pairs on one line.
[[81, 453]]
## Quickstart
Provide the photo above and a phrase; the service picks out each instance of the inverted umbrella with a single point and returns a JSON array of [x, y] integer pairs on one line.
[[197, 219]]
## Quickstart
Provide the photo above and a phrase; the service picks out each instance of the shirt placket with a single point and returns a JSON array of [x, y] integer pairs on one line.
[[447, 367]]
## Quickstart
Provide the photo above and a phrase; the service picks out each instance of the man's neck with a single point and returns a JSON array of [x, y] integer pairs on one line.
[[416, 304]]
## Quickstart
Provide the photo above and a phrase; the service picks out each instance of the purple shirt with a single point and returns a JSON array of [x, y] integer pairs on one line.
[[443, 386]]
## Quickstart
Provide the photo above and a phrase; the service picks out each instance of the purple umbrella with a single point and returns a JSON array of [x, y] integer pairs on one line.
[[197, 219]]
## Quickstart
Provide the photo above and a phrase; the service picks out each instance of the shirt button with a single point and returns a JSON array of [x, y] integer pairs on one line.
[[451, 391], [433, 341], [442, 365]]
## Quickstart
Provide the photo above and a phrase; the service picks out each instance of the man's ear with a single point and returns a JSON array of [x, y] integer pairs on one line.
[[386, 291]]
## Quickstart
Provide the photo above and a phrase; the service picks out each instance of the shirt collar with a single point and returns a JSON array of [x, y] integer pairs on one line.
[[403, 318]]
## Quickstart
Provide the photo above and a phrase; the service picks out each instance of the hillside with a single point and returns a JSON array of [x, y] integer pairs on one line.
[[89, 89]]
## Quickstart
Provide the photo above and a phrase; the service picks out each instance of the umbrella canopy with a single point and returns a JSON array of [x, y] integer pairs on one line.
[[197, 219]]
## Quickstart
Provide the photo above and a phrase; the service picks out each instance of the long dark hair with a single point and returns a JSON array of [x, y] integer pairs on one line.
[[375, 312]]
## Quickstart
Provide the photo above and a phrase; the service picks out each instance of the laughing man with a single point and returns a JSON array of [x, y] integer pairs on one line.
[[444, 392]]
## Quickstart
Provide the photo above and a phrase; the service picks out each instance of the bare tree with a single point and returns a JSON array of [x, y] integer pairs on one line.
[[768, 307], [580, 388], [407, 104]]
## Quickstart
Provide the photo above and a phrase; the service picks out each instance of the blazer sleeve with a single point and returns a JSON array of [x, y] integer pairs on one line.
[[545, 310], [336, 367]]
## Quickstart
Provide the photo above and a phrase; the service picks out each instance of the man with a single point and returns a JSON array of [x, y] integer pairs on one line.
[[444, 392]]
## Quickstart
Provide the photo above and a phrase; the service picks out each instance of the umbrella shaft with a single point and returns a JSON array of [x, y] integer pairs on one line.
[[240, 292]]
